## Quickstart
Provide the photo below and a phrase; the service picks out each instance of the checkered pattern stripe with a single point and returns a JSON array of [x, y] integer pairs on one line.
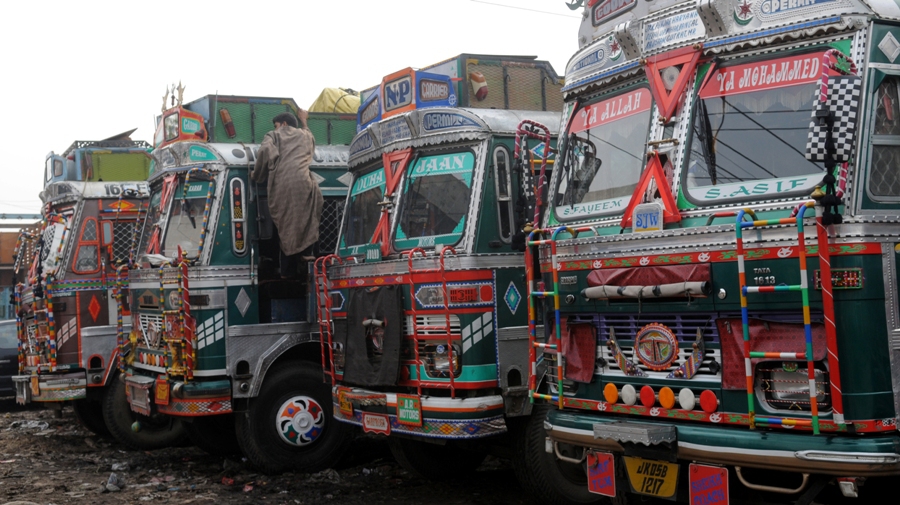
[[843, 102], [196, 407], [436, 428]]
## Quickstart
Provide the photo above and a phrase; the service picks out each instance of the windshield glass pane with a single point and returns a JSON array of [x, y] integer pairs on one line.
[[435, 200], [617, 128], [8, 335], [363, 212], [750, 130], [186, 220]]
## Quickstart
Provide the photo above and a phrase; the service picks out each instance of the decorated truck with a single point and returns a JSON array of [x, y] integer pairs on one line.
[[94, 203], [716, 272], [422, 308], [219, 338]]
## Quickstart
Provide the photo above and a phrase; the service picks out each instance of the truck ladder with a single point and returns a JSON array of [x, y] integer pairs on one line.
[[324, 305], [803, 287], [413, 272], [532, 278], [180, 343]]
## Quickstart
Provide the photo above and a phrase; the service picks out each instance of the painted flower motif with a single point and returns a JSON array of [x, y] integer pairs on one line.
[[704, 257], [645, 261], [598, 264], [654, 411], [715, 417], [784, 252]]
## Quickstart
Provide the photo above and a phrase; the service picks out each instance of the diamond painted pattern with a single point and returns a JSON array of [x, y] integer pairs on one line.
[[94, 308], [512, 297]]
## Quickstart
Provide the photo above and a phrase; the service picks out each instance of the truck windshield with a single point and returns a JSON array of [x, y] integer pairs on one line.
[[750, 129], [435, 200], [618, 128], [363, 212], [185, 226]]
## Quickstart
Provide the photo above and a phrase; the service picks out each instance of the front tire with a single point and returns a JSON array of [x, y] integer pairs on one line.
[[548, 479], [290, 425], [214, 434], [435, 462], [155, 432], [90, 414]]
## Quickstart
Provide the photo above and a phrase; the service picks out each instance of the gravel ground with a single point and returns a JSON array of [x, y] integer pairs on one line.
[[51, 459]]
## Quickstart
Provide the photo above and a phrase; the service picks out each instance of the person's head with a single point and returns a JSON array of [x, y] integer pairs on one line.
[[285, 118]]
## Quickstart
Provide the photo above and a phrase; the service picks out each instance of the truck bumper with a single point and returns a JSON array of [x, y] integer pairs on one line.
[[447, 418], [839, 455], [50, 387], [147, 395]]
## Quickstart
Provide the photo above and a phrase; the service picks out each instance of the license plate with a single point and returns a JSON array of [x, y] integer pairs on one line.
[[346, 406], [601, 473], [651, 477], [709, 484]]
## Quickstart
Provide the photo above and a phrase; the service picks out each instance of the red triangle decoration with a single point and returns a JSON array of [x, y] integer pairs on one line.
[[654, 171], [394, 165], [668, 101]]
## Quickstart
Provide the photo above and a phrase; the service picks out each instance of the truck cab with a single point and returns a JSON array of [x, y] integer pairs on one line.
[[219, 334], [422, 306], [721, 311], [94, 204]]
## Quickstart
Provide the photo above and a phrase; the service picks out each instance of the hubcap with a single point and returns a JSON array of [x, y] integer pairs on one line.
[[300, 421]]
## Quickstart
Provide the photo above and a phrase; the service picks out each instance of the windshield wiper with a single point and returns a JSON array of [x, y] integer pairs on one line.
[[703, 130], [186, 208]]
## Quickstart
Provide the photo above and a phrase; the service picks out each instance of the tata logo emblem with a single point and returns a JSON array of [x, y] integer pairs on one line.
[[608, 9], [398, 93], [431, 90]]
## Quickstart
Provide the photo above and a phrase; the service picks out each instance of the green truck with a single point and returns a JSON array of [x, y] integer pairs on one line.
[[219, 339], [716, 273], [94, 203]]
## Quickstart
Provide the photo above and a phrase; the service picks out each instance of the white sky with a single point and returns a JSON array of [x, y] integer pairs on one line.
[[87, 70]]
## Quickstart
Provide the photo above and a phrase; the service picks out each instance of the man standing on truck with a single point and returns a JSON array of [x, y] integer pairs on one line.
[[295, 201]]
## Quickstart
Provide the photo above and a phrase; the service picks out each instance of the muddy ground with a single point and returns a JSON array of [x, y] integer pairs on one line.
[[46, 459]]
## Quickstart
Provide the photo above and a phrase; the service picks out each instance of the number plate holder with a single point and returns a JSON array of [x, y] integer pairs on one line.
[[651, 477]]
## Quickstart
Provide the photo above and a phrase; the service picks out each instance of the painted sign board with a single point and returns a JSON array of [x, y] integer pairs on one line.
[[601, 473], [376, 423], [709, 485], [409, 410]]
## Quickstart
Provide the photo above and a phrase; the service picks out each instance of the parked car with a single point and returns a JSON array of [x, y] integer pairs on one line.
[[8, 357]]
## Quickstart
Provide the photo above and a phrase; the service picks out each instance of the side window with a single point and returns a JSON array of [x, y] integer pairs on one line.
[[87, 255], [172, 126], [884, 178], [504, 193], [57, 168]]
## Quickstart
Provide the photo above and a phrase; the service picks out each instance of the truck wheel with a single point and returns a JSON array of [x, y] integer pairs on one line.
[[290, 425], [543, 475], [155, 432], [213, 434], [90, 414], [434, 462]]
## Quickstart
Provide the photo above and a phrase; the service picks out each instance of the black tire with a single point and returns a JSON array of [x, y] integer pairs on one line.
[[90, 414], [214, 434], [435, 462], [155, 432], [264, 430], [547, 479]]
